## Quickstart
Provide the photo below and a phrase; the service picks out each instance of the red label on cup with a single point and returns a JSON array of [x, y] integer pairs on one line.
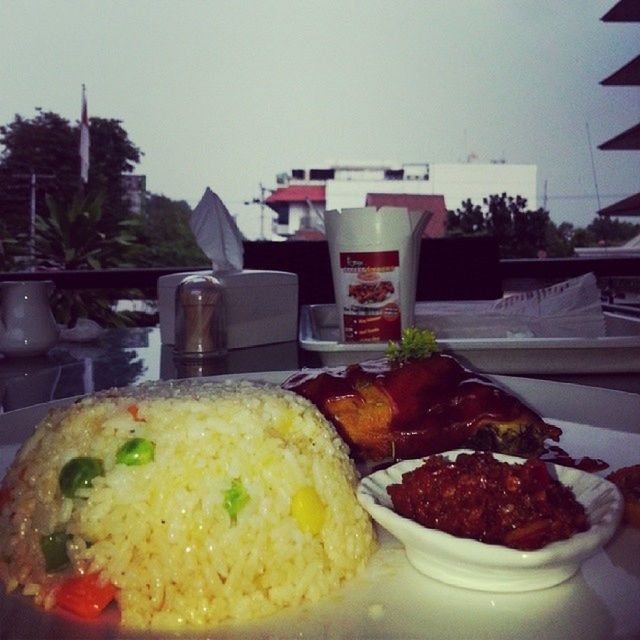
[[370, 294]]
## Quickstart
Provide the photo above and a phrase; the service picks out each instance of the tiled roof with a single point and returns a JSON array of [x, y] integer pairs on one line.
[[434, 204], [297, 193]]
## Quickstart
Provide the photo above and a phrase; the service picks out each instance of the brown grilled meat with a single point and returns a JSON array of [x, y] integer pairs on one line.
[[384, 409]]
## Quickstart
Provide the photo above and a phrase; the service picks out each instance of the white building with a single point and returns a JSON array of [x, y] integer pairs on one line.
[[305, 194]]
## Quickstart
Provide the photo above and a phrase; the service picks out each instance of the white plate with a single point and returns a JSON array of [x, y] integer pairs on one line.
[[391, 600], [489, 567]]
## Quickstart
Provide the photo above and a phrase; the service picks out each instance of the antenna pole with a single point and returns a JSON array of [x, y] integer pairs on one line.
[[593, 167]]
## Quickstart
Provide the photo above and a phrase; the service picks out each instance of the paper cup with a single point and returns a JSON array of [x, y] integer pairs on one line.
[[374, 263]]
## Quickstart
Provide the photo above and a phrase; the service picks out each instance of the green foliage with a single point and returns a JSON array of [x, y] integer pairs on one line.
[[559, 240], [10, 249], [45, 145], [48, 145], [73, 239], [611, 231], [166, 235], [414, 344], [521, 233], [111, 155]]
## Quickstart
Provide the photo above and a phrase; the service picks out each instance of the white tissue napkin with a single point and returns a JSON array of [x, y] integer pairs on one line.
[[569, 309], [217, 233]]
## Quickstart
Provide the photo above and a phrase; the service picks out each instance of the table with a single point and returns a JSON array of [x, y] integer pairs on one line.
[[132, 355], [600, 602]]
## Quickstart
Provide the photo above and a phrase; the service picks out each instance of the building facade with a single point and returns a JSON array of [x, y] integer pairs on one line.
[[304, 195]]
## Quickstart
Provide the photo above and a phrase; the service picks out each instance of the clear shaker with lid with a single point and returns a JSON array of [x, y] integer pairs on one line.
[[201, 322]]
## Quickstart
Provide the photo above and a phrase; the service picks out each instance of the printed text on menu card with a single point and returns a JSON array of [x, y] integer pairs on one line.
[[370, 282]]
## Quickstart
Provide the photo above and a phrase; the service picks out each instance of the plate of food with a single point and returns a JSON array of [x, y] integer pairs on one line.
[[228, 508]]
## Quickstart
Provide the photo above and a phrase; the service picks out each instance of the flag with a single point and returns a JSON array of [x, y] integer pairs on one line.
[[84, 140]]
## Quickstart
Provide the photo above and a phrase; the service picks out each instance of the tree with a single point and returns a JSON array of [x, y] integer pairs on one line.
[[111, 155], [43, 146], [166, 235], [47, 146], [559, 240], [468, 220], [71, 239], [611, 231], [520, 232]]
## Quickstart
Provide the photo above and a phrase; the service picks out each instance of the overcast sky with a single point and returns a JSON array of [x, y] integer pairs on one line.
[[229, 94]]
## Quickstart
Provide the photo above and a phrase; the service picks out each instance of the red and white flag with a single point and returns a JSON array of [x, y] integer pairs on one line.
[[84, 140]]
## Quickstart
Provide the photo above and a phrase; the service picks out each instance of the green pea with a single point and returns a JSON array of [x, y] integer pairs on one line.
[[78, 473], [136, 451], [54, 550]]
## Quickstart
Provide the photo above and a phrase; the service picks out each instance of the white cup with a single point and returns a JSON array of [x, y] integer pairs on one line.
[[374, 263]]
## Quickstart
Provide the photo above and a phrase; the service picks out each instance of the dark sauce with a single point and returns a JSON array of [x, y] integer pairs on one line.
[[557, 455]]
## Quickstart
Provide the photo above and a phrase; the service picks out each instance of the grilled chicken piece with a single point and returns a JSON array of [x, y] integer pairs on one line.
[[386, 409]]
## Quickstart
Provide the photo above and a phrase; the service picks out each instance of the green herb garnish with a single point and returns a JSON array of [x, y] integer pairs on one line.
[[235, 497], [414, 344]]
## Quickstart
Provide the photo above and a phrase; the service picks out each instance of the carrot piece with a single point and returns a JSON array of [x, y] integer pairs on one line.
[[133, 410], [85, 595]]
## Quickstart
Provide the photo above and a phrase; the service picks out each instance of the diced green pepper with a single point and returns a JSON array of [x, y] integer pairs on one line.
[[136, 451], [54, 550], [235, 498], [78, 473]]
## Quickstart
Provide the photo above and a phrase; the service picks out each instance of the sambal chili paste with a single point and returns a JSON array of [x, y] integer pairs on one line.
[[476, 496]]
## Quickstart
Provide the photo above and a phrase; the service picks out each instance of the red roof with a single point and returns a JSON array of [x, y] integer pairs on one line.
[[297, 193], [434, 204]]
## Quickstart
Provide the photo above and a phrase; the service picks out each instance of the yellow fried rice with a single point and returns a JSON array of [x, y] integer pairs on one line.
[[162, 532]]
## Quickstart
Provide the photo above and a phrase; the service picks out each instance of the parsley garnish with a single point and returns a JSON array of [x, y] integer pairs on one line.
[[235, 498], [415, 343]]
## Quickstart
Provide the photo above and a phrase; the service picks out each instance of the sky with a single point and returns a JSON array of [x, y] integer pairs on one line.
[[228, 94]]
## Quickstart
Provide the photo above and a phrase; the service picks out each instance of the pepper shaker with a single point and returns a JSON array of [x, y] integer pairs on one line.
[[201, 322]]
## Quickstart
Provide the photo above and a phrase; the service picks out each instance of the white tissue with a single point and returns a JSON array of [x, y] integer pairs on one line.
[[569, 309], [217, 233]]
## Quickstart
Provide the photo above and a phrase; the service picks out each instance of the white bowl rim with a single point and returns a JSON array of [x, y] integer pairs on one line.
[[372, 495]]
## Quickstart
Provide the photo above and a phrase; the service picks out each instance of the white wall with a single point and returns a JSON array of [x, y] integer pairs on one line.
[[457, 182], [353, 193]]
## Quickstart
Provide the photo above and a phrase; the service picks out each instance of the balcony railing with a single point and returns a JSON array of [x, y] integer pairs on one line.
[[449, 269]]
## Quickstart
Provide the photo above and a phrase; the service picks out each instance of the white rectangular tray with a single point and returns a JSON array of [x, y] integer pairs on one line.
[[616, 352]]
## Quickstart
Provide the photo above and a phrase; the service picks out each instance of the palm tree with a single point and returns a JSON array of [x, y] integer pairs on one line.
[[72, 240]]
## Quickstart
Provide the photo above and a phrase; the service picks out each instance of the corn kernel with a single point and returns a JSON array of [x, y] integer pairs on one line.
[[308, 510]]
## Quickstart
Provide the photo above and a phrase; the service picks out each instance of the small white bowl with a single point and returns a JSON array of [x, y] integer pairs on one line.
[[468, 563]]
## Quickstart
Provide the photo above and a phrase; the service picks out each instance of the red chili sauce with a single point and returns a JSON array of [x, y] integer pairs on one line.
[[476, 496]]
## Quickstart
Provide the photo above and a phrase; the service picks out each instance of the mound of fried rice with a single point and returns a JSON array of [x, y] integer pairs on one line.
[[160, 531]]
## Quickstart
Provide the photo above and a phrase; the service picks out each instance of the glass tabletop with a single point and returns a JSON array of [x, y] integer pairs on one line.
[[126, 356]]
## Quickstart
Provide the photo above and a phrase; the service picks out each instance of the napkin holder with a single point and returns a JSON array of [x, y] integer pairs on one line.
[[262, 306]]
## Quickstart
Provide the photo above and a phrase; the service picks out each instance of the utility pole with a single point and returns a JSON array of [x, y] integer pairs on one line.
[[32, 218], [260, 201], [262, 192], [593, 166], [33, 184]]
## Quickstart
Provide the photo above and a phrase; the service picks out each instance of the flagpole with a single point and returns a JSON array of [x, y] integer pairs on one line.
[[84, 142]]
